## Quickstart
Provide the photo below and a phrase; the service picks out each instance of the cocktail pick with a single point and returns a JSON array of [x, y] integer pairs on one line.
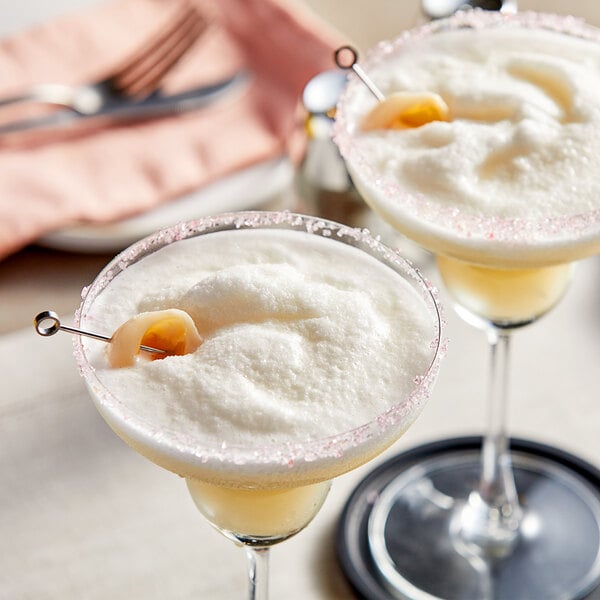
[[346, 57], [400, 110], [42, 327]]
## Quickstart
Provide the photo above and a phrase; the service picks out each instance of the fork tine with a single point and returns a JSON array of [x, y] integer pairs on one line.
[[149, 79], [146, 50], [160, 53]]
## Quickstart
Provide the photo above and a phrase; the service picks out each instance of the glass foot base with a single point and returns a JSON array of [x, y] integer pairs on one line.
[[398, 536]]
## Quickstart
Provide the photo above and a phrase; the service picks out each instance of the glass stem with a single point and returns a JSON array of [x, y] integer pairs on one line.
[[490, 521], [258, 572], [497, 486]]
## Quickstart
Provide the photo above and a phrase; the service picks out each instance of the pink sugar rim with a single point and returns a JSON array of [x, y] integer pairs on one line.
[[284, 454], [465, 225]]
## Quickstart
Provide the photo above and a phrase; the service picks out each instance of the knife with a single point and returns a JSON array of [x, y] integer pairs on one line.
[[153, 106]]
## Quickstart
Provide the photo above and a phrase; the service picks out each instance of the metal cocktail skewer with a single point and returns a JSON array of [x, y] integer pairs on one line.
[[433, 9], [56, 326], [353, 64]]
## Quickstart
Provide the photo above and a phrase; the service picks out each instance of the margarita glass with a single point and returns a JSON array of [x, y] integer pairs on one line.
[[260, 472], [503, 192]]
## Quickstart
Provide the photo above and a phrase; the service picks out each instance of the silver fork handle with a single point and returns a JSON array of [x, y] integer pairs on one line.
[[83, 100]]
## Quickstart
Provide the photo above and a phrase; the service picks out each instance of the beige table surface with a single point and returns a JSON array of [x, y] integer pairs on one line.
[[83, 517]]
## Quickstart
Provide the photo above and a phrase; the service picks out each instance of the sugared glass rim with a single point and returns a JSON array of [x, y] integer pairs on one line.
[[282, 454], [529, 241]]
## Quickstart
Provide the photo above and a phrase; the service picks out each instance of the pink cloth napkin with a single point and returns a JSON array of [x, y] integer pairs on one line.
[[102, 175]]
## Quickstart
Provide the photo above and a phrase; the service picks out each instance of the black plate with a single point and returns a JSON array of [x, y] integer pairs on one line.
[[351, 537]]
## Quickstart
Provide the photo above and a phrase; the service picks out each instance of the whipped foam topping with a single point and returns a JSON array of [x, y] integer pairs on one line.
[[514, 172], [303, 338]]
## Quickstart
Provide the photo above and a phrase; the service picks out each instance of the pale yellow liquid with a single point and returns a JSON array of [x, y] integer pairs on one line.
[[259, 505], [504, 296], [258, 513]]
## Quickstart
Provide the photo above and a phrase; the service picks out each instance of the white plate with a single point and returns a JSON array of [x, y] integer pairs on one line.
[[264, 186]]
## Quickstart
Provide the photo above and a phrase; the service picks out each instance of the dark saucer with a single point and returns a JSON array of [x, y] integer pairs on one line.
[[353, 550]]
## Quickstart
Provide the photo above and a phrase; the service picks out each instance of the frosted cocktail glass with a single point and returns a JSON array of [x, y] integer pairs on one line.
[[505, 193], [295, 314]]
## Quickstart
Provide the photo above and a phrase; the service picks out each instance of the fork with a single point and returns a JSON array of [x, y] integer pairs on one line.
[[138, 78]]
